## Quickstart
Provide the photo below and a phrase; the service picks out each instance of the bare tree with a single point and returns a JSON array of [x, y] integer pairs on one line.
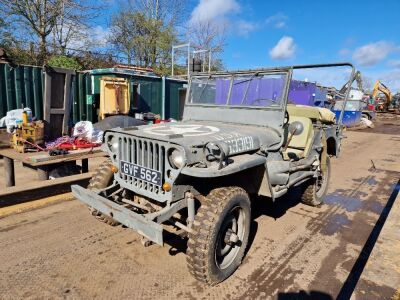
[[125, 28], [42, 18], [367, 83], [71, 28], [210, 35], [144, 37], [170, 12], [207, 35]]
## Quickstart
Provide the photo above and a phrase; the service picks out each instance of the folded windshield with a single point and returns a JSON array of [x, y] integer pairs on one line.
[[255, 89]]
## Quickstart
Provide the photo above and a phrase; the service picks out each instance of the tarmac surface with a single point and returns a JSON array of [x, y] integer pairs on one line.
[[296, 252]]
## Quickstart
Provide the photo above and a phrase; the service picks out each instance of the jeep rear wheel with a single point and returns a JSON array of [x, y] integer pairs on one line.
[[220, 235], [316, 188], [102, 178]]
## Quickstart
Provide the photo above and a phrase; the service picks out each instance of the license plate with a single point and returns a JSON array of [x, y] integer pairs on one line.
[[142, 173]]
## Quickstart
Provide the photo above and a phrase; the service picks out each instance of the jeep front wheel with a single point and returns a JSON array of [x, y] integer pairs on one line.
[[316, 188], [220, 235], [102, 178]]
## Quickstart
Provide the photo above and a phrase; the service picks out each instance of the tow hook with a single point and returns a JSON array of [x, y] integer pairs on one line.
[[146, 242]]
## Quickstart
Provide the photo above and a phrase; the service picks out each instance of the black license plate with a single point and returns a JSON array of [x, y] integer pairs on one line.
[[142, 173]]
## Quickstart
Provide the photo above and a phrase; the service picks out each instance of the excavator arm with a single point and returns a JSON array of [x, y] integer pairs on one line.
[[358, 79], [380, 87]]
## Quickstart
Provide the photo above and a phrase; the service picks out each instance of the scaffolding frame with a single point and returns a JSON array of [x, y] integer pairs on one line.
[[190, 54]]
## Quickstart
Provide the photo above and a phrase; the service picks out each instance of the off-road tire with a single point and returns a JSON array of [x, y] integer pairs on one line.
[[209, 220], [102, 178], [313, 197]]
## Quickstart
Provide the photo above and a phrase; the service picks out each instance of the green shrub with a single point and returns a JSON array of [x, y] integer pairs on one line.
[[61, 61]]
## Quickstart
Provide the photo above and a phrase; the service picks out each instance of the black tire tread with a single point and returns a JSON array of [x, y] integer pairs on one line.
[[206, 217], [100, 180], [308, 196]]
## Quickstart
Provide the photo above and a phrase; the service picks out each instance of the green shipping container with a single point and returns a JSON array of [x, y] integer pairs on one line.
[[23, 86], [146, 91]]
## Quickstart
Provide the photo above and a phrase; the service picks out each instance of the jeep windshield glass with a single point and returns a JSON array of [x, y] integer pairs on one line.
[[257, 89]]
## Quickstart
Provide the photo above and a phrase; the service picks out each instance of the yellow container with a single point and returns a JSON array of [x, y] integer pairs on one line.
[[114, 97], [24, 117], [31, 132]]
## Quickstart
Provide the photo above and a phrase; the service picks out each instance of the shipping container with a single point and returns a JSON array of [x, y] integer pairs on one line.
[[148, 92], [23, 86]]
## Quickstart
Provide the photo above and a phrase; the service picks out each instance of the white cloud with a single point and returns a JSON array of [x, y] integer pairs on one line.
[[245, 27], [208, 10], [278, 20], [284, 49], [394, 63], [100, 35], [389, 77], [344, 52], [373, 53], [329, 77]]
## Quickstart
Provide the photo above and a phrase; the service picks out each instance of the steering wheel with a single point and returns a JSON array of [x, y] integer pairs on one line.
[[258, 100]]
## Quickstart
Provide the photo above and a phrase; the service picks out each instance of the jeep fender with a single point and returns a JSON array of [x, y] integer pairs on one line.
[[237, 163]]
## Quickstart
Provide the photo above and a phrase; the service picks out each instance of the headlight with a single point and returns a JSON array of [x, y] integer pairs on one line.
[[112, 144], [176, 159]]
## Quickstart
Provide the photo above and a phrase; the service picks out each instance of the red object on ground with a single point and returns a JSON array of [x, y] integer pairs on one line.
[[77, 144]]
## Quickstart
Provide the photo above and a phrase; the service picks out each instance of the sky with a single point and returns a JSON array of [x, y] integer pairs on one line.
[[263, 33]]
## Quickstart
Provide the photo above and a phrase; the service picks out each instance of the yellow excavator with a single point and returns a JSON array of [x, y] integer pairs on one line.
[[380, 87]]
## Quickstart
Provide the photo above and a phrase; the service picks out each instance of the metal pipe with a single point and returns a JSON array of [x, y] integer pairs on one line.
[[172, 59], [163, 98], [188, 62], [340, 121], [285, 97], [209, 61], [286, 68], [180, 225], [135, 204], [190, 208]]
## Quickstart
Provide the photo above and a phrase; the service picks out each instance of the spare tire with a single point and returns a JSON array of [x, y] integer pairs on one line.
[[118, 121]]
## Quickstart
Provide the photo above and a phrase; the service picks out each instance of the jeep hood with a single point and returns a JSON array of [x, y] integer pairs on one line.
[[239, 138]]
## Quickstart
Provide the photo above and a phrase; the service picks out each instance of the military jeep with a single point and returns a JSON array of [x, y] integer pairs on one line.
[[239, 138]]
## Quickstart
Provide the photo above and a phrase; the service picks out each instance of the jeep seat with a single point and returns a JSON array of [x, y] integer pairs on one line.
[[314, 113]]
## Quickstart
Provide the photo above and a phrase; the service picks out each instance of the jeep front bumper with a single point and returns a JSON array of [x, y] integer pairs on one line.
[[149, 229]]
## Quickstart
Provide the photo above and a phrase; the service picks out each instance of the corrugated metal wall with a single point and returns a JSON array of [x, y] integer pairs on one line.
[[173, 106], [21, 86], [82, 106], [24, 85], [149, 92]]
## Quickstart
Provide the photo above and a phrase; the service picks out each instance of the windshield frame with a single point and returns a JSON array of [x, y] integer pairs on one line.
[[251, 75]]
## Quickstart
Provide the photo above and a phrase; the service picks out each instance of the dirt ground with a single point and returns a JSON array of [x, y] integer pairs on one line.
[[297, 251]]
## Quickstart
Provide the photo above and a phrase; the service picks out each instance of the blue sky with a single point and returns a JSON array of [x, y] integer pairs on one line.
[[274, 33]]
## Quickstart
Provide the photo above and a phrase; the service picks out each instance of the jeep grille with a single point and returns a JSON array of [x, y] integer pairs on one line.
[[145, 153]]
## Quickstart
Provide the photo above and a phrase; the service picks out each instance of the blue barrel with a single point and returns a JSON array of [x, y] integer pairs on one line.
[[350, 118]]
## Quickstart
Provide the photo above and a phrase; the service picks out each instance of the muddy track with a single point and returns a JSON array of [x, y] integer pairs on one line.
[[299, 251]]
